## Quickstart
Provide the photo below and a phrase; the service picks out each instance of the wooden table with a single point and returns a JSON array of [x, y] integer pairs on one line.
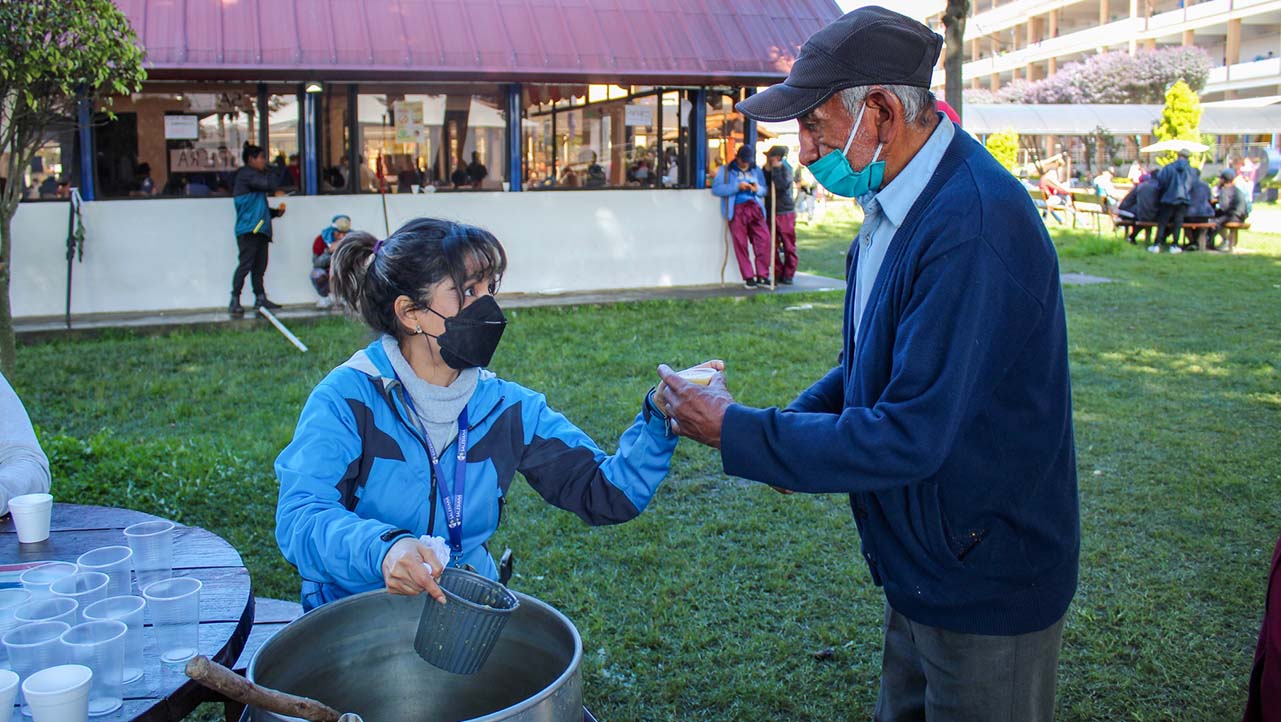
[[226, 600]]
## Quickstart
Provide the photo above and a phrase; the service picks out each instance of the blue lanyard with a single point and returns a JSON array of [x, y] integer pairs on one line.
[[451, 494]]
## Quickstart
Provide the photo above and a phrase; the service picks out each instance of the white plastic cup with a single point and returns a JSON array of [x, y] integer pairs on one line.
[[174, 608], [152, 545], [59, 694], [125, 609], [114, 561], [37, 579], [31, 514], [10, 600], [34, 647], [54, 609], [100, 646], [8, 692], [85, 588]]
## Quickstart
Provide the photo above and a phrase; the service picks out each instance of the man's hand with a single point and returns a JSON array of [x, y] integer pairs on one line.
[[404, 573], [696, 412], [744, 186]]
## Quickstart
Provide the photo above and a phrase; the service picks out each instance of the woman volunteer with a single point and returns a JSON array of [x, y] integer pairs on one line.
[[411, 435]]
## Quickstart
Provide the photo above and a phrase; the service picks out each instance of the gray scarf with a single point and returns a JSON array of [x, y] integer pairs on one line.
[[438, 407]]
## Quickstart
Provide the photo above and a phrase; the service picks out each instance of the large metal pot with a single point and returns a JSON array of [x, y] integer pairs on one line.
[[357, 655]]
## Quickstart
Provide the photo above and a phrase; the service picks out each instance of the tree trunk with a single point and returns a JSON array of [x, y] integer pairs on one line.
[[954, 57], [8, 348]]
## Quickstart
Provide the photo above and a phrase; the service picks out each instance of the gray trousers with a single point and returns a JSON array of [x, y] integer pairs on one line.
[[933, 675]]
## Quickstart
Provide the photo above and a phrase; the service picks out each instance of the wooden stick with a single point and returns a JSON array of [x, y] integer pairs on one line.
[[229, 684]]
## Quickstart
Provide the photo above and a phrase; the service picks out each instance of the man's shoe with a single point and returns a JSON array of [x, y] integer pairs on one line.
[[749, 283], [1175, 249], [235, 309], [787, 281], [1154, 248], [264, 302], [325, 303]]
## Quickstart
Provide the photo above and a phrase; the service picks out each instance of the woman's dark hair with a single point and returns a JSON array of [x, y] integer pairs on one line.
[[251, 151], [420, 254]]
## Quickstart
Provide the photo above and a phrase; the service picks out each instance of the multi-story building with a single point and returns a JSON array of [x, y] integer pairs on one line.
[[1007, 40]]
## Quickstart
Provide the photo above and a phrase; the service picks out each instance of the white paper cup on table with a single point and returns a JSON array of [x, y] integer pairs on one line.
[[115, 561], [84, 587], [152, 545], [35, 647], [55, 609], [38, 579], [174, 608], [9, 682], [31, 514], [128, 610], [59, 694], [100, 646]]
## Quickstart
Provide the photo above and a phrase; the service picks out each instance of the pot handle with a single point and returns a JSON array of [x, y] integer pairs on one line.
[[229, 684]]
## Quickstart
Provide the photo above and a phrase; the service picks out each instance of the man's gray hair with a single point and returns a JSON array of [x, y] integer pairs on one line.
[[918, 103]]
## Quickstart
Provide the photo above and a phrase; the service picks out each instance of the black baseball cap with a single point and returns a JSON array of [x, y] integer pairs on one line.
[[868, 46]]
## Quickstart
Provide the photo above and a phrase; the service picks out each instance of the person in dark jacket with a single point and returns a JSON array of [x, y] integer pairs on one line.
[[1141, 204], [253, 225], [1232, 206], [779, 204], [948, 419], [1176, 181], [1200, 206], [1263, 703]]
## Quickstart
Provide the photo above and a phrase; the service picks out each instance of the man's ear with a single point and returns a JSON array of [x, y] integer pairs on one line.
[[887, 112]]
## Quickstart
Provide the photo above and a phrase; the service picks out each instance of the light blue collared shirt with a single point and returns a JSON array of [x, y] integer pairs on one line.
[[886, 213]]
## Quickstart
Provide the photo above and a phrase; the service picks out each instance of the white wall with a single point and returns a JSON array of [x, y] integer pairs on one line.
[[155, 255]]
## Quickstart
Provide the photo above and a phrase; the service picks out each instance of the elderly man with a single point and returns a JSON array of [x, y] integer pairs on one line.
[[948, 420]]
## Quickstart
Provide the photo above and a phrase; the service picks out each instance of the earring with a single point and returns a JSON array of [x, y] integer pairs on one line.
[[418, 329]]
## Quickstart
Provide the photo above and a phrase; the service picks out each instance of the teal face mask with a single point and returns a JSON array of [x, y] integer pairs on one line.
[[833, 170]]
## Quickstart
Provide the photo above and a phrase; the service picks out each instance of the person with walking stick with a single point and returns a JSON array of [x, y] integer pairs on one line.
[[781, 209]]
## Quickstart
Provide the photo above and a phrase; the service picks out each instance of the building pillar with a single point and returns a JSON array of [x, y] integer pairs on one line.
[[1189, 38], [995, 83], [310, 144], [1105, 12], [1134, 14], [974, 50], [1031, 73], [515, 141], [1030, 34], [1149, 44], [1051, 66], [698, 137], [1014, 74], [1053, 30], [1234, 42], [974, 82], [749, 125], [88, 173], [264, 117]]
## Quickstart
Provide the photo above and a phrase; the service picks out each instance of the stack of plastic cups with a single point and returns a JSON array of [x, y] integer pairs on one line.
[[59, 694], [116, 562], [38, 579], [59, 609], [100, 646], [31, 514], [8, 692], [174, 608], [152, 545], [129, 611], [85, 587], [34, 647], [10, 600]]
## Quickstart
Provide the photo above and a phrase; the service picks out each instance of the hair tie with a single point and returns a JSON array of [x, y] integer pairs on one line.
[[378, 245]]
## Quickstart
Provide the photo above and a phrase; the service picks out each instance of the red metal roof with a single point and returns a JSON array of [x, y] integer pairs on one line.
[[620, 41]]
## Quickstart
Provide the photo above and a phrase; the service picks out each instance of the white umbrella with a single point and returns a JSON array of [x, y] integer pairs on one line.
[[1174, 146]]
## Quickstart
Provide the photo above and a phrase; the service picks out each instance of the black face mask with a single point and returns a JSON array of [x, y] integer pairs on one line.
[[472, 335]]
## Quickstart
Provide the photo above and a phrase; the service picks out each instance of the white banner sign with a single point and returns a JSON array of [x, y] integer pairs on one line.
[[637, 114], [182, 127], [197, 160]]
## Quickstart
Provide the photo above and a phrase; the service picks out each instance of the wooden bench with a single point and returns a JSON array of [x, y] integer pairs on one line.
[[1230, 233], [1129, 224], [270, 616], [1199, 231], [1038, 200], [1091, 204]]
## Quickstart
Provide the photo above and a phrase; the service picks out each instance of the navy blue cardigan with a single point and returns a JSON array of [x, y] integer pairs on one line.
[[949, 419]]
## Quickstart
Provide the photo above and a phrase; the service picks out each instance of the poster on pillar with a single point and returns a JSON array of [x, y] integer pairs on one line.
[[637, 114], [408, 117]]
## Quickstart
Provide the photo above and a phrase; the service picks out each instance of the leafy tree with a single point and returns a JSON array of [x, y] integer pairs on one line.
[[1180, 120], [56, 54], [1004, 146], [954, 52]]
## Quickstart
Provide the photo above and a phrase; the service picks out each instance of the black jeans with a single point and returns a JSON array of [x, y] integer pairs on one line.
[[1169, 217], [253, 263]]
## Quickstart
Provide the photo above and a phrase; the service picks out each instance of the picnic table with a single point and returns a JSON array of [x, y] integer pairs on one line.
[[164, 693]]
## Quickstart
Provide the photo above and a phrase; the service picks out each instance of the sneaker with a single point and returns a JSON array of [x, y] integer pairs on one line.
[[1154, 248], [749, 283], [786, 281], [325, 303], [264, 302], [1175, 249], [235, 309]]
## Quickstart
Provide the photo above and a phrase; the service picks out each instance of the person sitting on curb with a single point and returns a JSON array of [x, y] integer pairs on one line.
[[322, 249]]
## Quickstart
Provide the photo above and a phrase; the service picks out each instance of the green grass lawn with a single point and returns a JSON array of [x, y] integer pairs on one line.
[[712, 605]]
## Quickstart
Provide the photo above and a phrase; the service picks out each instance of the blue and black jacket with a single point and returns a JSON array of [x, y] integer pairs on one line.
[[250, 189], [357, 477]]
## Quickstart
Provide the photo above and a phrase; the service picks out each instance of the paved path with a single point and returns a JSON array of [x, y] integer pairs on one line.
[[54, 327]]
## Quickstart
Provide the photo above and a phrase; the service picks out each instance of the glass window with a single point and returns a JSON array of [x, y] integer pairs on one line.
[[724, 131], [335, 159], [284, 137], [450, 139], [52, 172]]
